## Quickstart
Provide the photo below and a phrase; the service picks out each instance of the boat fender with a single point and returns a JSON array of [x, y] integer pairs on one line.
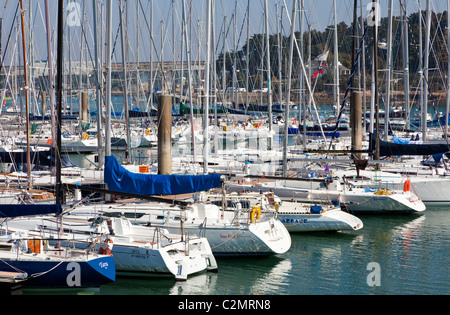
[[407, 185], [255, 214], [382, 192]]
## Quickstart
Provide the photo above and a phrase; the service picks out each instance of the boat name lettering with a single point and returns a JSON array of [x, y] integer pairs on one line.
[[139, 252], [103, 265], [233, 236], [294, 221], [140, 256]]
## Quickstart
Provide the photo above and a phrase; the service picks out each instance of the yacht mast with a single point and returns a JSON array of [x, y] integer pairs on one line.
[[301, 105], [426, 60], [388, 69], [125, 70], [405, 62], [99, 93], [188, 56], [247, 103], [288, 97], [25, 69], [375, 71], [50, 72], [336, 61], [150, 83], [269, 84], [448, 73], [59, 77], [206, 109], [108, 77]]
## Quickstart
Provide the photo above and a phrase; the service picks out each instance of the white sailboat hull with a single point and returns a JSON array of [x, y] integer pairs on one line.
[[297, 220], [432, 190], [230, 235], [138, 253], [265, 237], [355, 200], [406, 202], [173, 259]]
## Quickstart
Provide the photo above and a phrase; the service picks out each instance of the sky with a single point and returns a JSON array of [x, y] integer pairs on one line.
[[319, 13]]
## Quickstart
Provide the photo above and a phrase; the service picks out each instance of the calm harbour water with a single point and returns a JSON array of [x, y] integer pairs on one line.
[[413, 253]]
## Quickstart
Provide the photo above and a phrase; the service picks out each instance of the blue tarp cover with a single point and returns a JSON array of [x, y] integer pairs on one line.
[[121, 180], [12, 211], [397, 140], [391, 148]]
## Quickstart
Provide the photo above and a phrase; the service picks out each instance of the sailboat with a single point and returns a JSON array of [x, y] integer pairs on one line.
[[295, 215], [137, 250], [354, 199], [228, 233], [45, 266]]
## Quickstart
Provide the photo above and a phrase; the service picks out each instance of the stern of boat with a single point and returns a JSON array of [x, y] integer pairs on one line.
[[411, 200], [272, 233], [188, 257]]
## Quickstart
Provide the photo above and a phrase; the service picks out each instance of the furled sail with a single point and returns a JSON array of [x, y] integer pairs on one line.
[[121, 180]]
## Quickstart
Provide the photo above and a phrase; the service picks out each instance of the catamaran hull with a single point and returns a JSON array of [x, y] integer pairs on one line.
[[66, 274]]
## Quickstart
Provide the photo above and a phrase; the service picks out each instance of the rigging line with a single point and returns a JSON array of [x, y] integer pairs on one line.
[[349, 85], [434, 40], [381, 93], [91, 58], [9, 36], [39, 274], [431, 97], [153, 42], [11, 266], [438, 27]]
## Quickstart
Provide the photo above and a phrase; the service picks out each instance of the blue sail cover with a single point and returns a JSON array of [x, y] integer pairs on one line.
[[121, 180], [12, 211]]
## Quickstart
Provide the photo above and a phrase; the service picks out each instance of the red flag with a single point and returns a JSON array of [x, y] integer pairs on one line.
[[320, 70], [322, 58]]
